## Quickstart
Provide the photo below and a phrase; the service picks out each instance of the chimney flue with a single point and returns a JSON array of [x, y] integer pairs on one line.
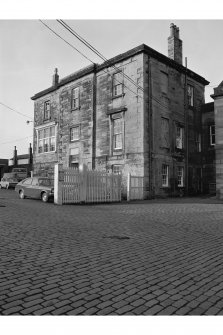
[[175, 44], [55, 77]]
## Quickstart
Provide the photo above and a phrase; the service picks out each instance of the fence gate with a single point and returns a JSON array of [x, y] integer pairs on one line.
[[74, 186], [135, 188]]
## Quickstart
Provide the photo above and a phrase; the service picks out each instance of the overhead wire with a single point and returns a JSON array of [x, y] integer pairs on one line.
[[107, 72], [100, 55], [86, 43], [20, 139], [16, 111]]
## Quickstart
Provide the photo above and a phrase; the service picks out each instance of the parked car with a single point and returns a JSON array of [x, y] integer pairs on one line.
[[7, 182], [36, 187]]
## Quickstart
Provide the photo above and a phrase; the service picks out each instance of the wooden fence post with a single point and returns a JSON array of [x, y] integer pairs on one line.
[[58, 184], [83, 188], [129, 187]]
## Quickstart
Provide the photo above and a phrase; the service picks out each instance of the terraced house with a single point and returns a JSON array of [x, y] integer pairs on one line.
[[139, 112]]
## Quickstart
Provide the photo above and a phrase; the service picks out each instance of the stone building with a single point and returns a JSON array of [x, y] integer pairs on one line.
[[139, 112], [208, 149]]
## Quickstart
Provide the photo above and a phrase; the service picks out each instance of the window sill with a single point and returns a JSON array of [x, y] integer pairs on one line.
[[75, 109], [73, 141], [118, 96], [46, 153]]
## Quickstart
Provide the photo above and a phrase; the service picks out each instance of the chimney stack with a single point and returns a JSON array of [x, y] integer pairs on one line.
[[55, 77], [175, 44], [15, 156], [30, 154]]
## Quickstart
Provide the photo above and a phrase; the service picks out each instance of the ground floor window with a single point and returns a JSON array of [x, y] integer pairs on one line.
[[117, 168], [180, 176], [46, 139], [165, 175]]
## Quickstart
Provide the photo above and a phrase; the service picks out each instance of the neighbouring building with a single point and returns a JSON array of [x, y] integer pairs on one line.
[[24, 161], [217, 137], [140, 112], [208, 149], [3, 166]]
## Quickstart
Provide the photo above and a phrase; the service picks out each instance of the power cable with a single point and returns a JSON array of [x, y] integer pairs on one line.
[[15, 111], [74, 33], [86, 43], [84, 55], [20, 139]]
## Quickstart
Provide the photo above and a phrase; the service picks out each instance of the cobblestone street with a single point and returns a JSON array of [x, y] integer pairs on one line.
[[159, 257]]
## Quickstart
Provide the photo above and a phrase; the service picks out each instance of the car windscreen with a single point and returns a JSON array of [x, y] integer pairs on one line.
[[45, 182]]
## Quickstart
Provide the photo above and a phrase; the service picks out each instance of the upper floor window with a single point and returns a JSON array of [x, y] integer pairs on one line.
[[75, 133], [117, 84], [75, 98], [198, 142], [164, 82], [46, 110], [117, 140], [165, 133], [46, 139], [165, 175], [179, 137], [212, 134], [180, 176], [190, 95]]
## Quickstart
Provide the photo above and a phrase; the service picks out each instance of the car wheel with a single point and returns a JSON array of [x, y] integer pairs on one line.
[[44, 197], [21, 194]]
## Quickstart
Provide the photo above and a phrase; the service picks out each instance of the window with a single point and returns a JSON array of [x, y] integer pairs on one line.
[[198, 142], [47, 110], [117, 84], [165, 133], [212, 135], [46, 139], [117, 168], [75, 98], [190, 95], [179, 137], [165, 175], [164, 82], [27, 181], [74, 133], [74, 157], [117, 134], [180, 176]]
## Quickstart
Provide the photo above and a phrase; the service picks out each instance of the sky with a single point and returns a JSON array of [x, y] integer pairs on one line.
[[29, 53]]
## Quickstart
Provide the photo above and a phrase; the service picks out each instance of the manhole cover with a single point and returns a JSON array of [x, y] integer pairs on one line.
[[114, 237]]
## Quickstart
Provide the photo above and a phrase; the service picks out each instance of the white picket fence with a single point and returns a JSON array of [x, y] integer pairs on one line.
[[76, 186], [135, 187]]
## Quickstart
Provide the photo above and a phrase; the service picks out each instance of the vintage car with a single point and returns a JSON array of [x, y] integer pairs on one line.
[[8, 182], [36, 187]]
